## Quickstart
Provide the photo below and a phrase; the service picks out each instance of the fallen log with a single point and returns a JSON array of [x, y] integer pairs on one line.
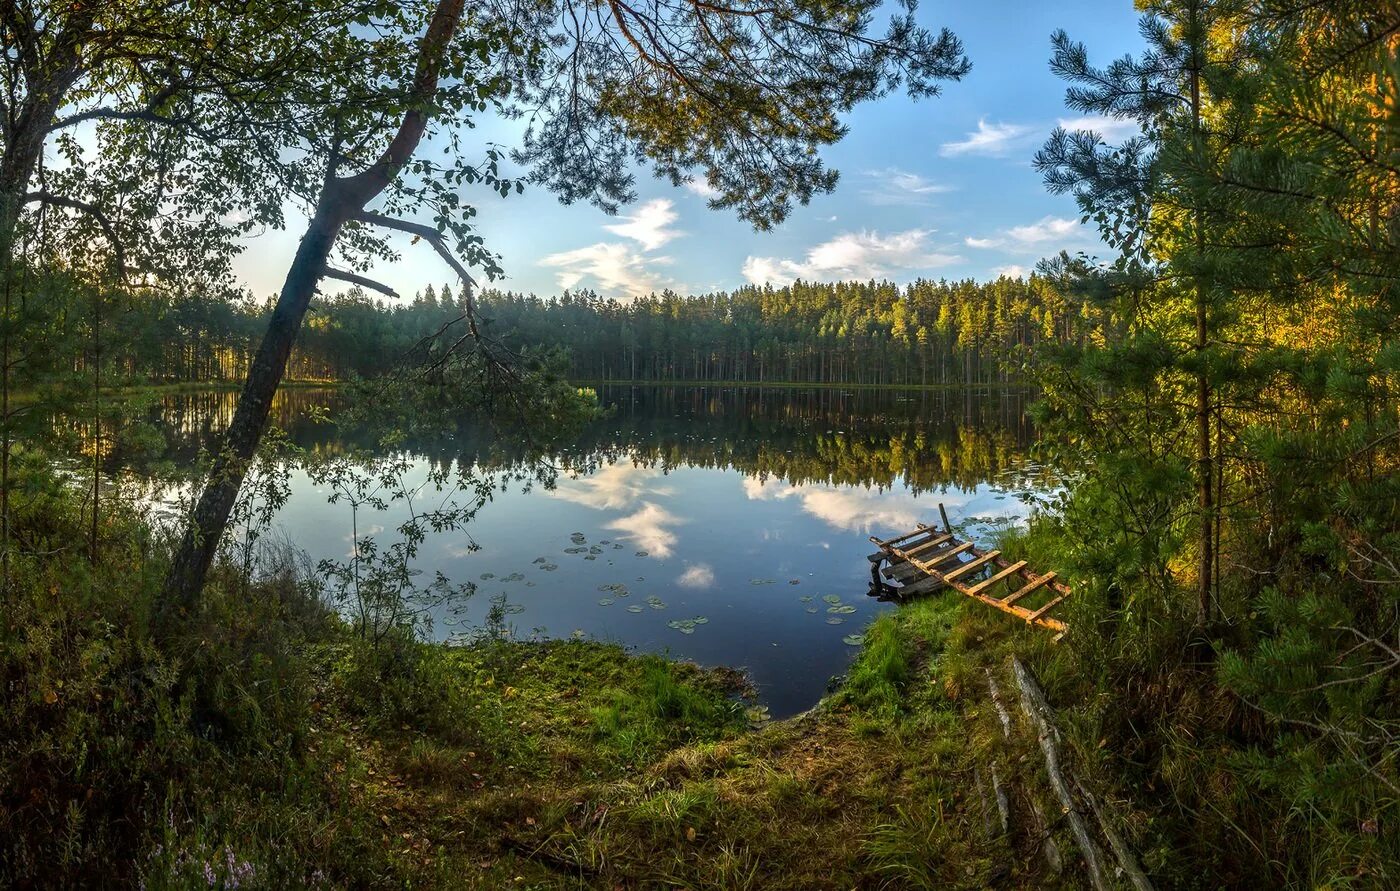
[[1126, 860], [1038, 712]]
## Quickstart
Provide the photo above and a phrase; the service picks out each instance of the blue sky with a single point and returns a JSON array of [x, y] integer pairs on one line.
[[939, 188]]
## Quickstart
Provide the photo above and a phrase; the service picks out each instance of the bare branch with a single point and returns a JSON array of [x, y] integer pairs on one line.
[[360, 280]]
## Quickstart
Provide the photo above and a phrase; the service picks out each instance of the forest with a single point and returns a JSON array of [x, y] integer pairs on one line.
[[207, 682], [871, 333]]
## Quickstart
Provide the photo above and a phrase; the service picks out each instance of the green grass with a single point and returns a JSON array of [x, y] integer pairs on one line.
[[798, 385]]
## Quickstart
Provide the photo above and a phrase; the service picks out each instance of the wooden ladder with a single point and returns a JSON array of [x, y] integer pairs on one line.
[[936, 560]]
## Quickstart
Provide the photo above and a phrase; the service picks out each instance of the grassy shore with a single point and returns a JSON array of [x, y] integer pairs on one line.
[[800, 385]]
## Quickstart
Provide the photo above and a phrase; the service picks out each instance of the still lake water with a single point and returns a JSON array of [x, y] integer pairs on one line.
[[748, 509]]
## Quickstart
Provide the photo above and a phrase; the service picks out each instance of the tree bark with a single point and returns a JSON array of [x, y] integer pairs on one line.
[[341, 199], [1204, 459]]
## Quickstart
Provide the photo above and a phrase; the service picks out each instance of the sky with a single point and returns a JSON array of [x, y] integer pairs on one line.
[[936, 188]]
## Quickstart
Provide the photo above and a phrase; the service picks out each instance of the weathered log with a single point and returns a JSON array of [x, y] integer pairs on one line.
[[1038, 711], [1126, 860], [1003, 801], [996, 701]]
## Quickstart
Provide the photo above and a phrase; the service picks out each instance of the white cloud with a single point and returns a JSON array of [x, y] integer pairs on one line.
[[612, 268], [698, 575], [701, 186], [1012, 270], [988, 139], [647, 528], [1045, 229], [648, 226], [895, 186], [1051, 231], [615, 487], [1111, 129], [852, 255]]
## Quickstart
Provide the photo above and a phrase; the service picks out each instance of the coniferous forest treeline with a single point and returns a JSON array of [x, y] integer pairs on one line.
[[855, 333]]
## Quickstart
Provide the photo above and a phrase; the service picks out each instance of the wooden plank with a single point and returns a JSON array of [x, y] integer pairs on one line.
[[1046, 608], [1008, 571], [1033, 586], [971, 566], [901, 572], [942, 556], [925, 585], [898, 538], [925, 545]]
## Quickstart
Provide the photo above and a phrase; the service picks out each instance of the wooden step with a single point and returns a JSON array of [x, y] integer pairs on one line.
[[1046, 608], [1033, 586], [905, 537], [926, 585], [942, 556], [971, 565], [925, 545], [984, 585]]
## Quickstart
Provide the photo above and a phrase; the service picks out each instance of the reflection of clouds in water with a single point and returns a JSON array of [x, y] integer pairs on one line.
[[373, 529], [614, 487], [858, 509], [647, 528], [698, 575]]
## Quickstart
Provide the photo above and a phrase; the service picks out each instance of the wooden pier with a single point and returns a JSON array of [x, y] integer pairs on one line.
[[929, 559]]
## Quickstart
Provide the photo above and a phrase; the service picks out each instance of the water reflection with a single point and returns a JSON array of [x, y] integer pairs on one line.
[[748, 509]]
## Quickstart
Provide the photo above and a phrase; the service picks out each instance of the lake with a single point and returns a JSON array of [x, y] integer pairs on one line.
[[719, 524]]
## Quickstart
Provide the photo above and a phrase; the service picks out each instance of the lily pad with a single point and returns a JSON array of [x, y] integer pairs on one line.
[[806, 598], [642, 554], [832, 598], [813, 609], [514, 577], [540, 560], [794, 581], [550, 567], [684, 626], [590, 556], [762, 581], [842, 610], [834, 620], [606, 601], [634, 608], [853, 640], [574, 550], [487, 576], [595, 550], [757, 714], [656, 602]]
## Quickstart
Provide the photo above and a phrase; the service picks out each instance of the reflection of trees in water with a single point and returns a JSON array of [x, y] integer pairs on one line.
[[833, 436]]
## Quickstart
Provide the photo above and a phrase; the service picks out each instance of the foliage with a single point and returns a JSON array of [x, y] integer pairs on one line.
[[1237, 439]]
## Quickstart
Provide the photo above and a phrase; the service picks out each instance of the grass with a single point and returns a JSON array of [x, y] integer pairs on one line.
[[800, 385], [265, 746]]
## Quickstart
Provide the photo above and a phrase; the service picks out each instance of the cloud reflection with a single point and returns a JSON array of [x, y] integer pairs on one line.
[[859, 509], [615, 487], [647, 529], [697, 575]]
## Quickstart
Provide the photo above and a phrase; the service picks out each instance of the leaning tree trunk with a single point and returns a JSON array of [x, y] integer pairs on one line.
[[342, 199]]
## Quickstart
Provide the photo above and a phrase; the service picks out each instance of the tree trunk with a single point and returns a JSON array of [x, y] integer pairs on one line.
[[341, 200], [185, 578], [1204, 459]]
